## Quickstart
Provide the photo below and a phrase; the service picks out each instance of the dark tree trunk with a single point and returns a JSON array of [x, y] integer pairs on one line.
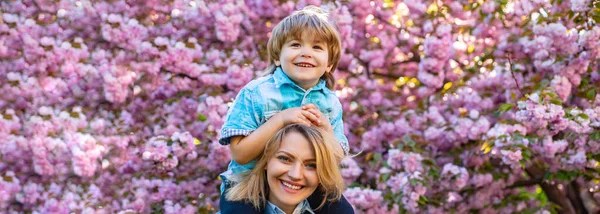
[[555, 195], [573, 190]]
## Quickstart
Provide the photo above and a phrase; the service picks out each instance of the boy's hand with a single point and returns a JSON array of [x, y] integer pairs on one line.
[[321, 121], [297, 116]]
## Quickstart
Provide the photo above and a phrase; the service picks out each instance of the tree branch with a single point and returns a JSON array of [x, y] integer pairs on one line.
[[573, 190], [552, 191], [523, 183], [513, 75]]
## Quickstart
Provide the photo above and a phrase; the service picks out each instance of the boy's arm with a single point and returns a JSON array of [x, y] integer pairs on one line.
[[338, 131], [335, 127], [245, 148]]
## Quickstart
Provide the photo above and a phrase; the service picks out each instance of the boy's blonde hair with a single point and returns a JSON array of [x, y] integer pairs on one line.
[[314, 21], [253, 186]]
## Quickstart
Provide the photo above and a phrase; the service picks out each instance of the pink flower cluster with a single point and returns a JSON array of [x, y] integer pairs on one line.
[[166, 152]]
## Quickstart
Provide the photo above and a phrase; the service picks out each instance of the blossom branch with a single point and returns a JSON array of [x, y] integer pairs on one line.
[[523, 183], [512, 72]]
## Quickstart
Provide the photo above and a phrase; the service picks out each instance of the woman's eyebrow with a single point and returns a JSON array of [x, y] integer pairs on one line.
[[286, 153], [293, 156], [310, 160]]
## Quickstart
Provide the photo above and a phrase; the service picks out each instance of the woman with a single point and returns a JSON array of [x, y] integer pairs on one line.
[[297, 161]]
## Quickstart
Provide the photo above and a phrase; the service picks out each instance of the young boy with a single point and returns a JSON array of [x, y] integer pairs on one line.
[[304, 50]]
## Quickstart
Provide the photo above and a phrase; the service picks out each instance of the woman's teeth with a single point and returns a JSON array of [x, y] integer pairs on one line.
[[294, 187]]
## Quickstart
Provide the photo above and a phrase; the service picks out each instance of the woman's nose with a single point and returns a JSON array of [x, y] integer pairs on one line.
[[296, 171]]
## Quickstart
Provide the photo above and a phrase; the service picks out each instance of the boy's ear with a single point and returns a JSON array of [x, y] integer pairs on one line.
[[328, 68], [277, 63]]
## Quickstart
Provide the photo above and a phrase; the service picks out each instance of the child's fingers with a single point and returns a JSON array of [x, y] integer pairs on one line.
[[316, 113], [312, 117], [303, 120], [309, 106]]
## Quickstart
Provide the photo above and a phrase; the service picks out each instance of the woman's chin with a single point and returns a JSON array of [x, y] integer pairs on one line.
[[291, 196]]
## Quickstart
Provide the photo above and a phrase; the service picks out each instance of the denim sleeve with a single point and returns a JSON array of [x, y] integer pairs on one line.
[[338, 128], [242, 118]]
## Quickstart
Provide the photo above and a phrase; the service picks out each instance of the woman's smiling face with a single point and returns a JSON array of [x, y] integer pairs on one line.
[[292, 173]]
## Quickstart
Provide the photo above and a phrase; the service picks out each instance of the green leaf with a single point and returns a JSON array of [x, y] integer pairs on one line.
[[502, 2], [377, 157], [596, 13], [595, 136], [596, 18], [201, 118], [385, 177], [551, 94], [505, 107], [413, 182], [556, 101], [566, 175], [428, 162], [591, 94], [579, 19], [517, 136], [433, 173], [584, 116], [409, 141]]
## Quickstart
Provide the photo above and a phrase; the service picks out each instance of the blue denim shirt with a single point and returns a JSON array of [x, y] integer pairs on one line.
[[302, 208], [266, 96]]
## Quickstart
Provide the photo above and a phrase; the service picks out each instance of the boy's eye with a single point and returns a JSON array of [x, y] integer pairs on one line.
[[318, 47], [295, 44]]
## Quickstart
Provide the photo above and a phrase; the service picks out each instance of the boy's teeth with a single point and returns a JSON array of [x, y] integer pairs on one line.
[[290, 185], [303, 65]]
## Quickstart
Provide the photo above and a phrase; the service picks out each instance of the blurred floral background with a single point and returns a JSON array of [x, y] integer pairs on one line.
[[452, 106]]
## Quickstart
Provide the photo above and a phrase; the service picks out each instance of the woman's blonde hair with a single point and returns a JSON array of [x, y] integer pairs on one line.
[[253, 186], [314, 21]]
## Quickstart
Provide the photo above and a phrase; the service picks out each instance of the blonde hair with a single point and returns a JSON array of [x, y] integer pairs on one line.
[[314, 21], [253, 186]]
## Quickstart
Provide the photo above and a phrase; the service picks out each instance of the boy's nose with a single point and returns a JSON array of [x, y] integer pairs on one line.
[[306, 52]]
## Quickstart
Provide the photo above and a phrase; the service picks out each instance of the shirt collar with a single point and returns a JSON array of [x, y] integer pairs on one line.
[[281, 79], [302, 208]]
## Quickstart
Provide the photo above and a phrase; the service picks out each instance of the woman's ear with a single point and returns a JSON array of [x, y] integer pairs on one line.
[[277, 63]]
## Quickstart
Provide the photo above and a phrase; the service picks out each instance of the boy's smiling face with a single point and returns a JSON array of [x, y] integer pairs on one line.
[[304, 60]]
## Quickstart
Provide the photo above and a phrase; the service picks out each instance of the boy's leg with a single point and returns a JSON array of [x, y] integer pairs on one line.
[[341, 206], [234, 207]]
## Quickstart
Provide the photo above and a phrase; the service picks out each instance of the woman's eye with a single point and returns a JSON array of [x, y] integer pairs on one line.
[[284, 158], [311, 165]]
